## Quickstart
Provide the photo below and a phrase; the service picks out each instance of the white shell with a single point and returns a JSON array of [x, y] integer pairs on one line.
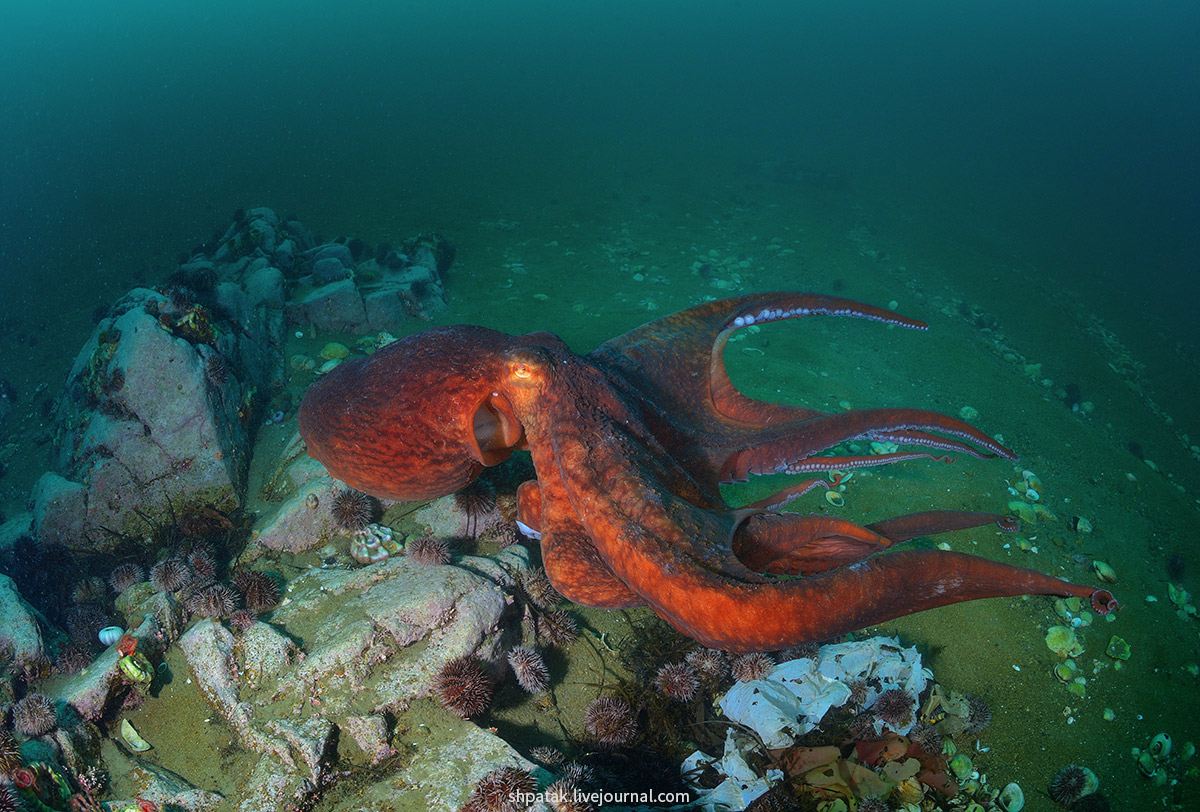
[[1011, 799], [110, 634], [132, 738]]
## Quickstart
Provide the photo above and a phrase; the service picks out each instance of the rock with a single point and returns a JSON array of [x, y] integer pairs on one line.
[[154, 418], [333, 250], [93, 691], [303, 521], [336, 307], [161, 786], [370, 733], [20, 636], [264, 288], [330, 270]]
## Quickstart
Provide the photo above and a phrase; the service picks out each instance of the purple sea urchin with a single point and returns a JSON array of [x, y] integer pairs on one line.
[[979, 717], [927, 737], [710, 664], [84, 622], [214, 600], [126, 575], [352, 510], [170, 575], [678, 681], [894, 707], [10, 752], [8, 801], [610, 721], [557, 628], [73, 658], [1071, 783], [240, 620], [34, 715], [504, 790], [750, 667], [259, 591], [463, 687], [529, 668], [873, 804], [428, 549]]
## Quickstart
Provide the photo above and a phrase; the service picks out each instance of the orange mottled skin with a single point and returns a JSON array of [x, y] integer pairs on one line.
[[630, 444]]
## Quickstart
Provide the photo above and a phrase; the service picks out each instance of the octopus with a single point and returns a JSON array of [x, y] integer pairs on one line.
[[630, 444]]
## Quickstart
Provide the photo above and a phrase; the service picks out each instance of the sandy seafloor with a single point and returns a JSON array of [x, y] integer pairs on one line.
[[591, 253]]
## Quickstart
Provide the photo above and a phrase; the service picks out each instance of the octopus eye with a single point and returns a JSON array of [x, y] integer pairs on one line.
[[523, 371]]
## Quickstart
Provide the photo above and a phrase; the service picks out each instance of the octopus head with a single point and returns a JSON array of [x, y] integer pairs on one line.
[[421, 417]]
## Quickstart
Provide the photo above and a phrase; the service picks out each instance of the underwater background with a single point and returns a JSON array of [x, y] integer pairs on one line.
[[1021, 175]]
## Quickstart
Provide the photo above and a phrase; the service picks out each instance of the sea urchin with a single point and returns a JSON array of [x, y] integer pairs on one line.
[[529, 669], [352, 510], [750, 667], [610, 721], [34, 715], [463, 687], [1071, 783], [678, 681], [894, 707]]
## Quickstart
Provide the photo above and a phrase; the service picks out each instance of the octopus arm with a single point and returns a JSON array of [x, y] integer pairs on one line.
[[678, 360], [794, 448]]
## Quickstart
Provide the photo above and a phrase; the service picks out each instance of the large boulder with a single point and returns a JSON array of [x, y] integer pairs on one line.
[[156, 417]]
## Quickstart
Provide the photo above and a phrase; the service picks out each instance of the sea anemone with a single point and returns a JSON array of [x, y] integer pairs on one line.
[[85, 622], [73, 658], [557, 628], [507, 789], [529, 668], [170, 575], [34, 715], [463, 687], [428, 549], [10, 752], [750, 667], [1071, 783], [259, 591], [979, 716], [894, 707], [352, 510], [126, 575], [214, 600], [678, 681], [610, 721]]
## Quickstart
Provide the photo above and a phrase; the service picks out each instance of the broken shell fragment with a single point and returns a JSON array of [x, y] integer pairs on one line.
[[132, 738]]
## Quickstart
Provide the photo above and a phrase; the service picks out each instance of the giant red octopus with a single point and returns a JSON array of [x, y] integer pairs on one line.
[[630, 444]]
